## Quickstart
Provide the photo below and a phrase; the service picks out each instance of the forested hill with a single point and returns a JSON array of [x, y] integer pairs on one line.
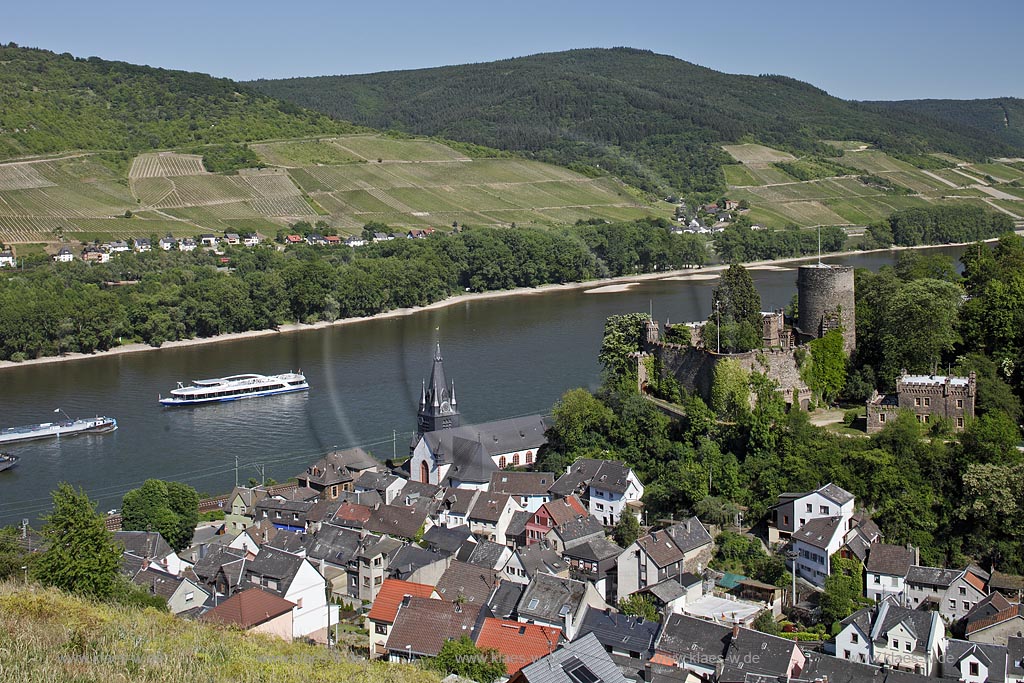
[[654, 120], [53, 103], [1003, 116]]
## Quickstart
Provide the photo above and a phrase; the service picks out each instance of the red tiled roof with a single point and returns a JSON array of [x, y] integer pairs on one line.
[[519, 644], [662, 659], [350, 512], [249, 608], [565, 510], [385, 607], [975, 581], [1005, 615]]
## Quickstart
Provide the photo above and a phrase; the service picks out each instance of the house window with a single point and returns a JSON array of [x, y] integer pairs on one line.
[[190, 596], [974, 668], [502, 462], [895, 644], [952, 603], [960, 403], [917, 401], [927, 401], [823, 509], [334, 492], [846, 654], [381, 629], [599, 506], [907, 646], [785, 520], [810, 508], [529, 457], [854, 639], [378, 580], [963, 590], [298, 603], [881, 417], [878, 579], [960, 422], [967, 605], [802, 521], [515, 460]]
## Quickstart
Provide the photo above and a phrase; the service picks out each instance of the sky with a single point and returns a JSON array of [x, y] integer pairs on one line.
[[897, 49]]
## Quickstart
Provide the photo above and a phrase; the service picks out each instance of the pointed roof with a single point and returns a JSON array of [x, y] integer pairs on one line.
[[249, 608], [437, 391]]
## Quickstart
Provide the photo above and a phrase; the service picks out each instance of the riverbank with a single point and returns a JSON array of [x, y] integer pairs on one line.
[[603, 285]]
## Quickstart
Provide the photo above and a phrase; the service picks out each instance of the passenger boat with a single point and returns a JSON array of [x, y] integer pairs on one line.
[[234, 387], [7, 461], [51, 430]]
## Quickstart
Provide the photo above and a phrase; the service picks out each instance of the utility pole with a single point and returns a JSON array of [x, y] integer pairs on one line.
[[262, 469], [394, 444], [236, 471], [819, 245]]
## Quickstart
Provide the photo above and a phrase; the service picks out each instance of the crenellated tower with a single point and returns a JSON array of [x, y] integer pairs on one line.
[[438, 406]]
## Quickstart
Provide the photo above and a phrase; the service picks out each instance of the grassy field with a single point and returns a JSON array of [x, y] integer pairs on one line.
[[51, 636], [374, 147], [756, 154], [296, 153]]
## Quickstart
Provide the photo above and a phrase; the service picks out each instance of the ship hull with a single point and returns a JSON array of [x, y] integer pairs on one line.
[[174, 401], [50, 430]]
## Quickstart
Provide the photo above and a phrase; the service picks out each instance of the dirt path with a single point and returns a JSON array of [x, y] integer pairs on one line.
[[939, 178]]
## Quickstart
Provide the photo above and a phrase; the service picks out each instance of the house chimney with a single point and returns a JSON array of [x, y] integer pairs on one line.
[[406, 599]]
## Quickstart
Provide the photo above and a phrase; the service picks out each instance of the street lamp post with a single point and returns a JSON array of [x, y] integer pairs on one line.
[[25, 569], [718, 327], [792, 555]]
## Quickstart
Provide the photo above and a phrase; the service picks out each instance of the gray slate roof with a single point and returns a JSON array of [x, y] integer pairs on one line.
[[425, 625], [517, 525], [447, 541], [891, 560], [474, 584], [489, 507], [397, 520], [916, 621], [689, 534], [482, 553], [522, 483], [666, 591], [576, 477], [611, 476], [621, 632], [993, 657], [505, 598], [274, 564], [693, 640], [833, 492], [594, 549], [333, 544], [753, 652], [583, 653], [579, 531], [540, 557], [933, 576], [157, 582], [145, 544], [547, 598], [469, 448], [818, 532], [411, 558]]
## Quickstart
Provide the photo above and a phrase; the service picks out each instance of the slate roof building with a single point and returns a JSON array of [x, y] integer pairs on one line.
[[693, 644], [682, 547], [622, 635], [337, 471], [886, 570], [422, 627], [553, 601], [607, 487], [530, 489], [953, 592], [485, 554], [467, 583], [468, 455], [581, 661], [381, 617], [974, 662], [796, 509]]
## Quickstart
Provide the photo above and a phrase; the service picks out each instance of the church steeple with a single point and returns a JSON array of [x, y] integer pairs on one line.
[[438, 409]]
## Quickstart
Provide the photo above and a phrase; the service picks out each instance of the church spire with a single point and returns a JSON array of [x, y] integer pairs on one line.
[[437, 399]]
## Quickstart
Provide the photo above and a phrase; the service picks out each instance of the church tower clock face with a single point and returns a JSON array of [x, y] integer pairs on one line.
[[445, 407]]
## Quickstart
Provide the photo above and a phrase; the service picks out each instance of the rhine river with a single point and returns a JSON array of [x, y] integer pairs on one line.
[[508, 356]]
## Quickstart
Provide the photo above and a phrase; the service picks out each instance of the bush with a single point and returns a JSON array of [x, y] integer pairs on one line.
[[850, 416]]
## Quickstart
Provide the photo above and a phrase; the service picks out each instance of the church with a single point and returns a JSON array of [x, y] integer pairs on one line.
[[447, 453]]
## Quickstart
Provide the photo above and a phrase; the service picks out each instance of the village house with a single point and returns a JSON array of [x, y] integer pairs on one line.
[[595, 560], [581, 661], [93, 254], [517, 644], [240, 512], [574, 532], [150, 548], [142, 244], [753, 655], [894, 636], [187, 244], [381, 617], [551, 514], [815, 544], [337, 471], [7, 259], [422, 626], [484, 554], [118, 247], [64, 255], [953, 592], [796, 509], [622, 636], [387, 486], [284, 514], [467, 583], [296, 580], [382, 237], [525, 563], [928, 397], [886, 571], [257, 611], [371, 566], [692, 644], [558, 602], [606, 486], [530, 489], [181, 593], [250, 239], [999, 628], [491, 514], [974, 662], [682, 547], [232, 238], [167, 243], [293, 239]]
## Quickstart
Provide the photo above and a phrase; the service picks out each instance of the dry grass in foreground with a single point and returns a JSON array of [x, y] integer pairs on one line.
[[47, 635]]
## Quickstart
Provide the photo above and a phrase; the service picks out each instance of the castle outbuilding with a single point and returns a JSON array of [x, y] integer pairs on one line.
[[929, 397]]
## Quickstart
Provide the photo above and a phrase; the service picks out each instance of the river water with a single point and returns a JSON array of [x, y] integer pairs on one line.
[[508, 356]]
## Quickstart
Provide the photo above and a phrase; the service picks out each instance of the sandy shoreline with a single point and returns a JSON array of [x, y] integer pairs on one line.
[[613, 284]]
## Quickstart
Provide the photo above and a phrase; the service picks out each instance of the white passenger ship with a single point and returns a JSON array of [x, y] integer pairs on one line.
[[234, 387]]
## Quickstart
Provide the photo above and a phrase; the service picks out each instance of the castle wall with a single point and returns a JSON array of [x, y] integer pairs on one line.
[[826, 300], [694, 369]]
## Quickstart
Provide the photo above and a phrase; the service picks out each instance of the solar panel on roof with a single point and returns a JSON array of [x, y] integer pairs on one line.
[[578, 671]]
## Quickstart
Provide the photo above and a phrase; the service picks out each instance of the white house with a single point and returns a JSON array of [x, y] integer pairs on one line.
[[893, 636], [970, 662], [251, 239], [64, 256], [6, 259], [814, 544], [187, 244], [954, 592], [118, 247], [886, 571], [141, 244], [530, 489], [796, 509], [295, 579], [662, 554], [606, 486], [491, 514], [167, 243]]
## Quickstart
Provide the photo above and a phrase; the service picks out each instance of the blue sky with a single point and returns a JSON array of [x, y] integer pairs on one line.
[[857, 50]]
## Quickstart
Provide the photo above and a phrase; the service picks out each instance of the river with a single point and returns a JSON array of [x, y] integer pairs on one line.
[[508, 356]]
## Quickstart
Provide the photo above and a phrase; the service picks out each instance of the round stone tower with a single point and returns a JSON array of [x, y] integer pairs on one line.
[[825, 302]]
